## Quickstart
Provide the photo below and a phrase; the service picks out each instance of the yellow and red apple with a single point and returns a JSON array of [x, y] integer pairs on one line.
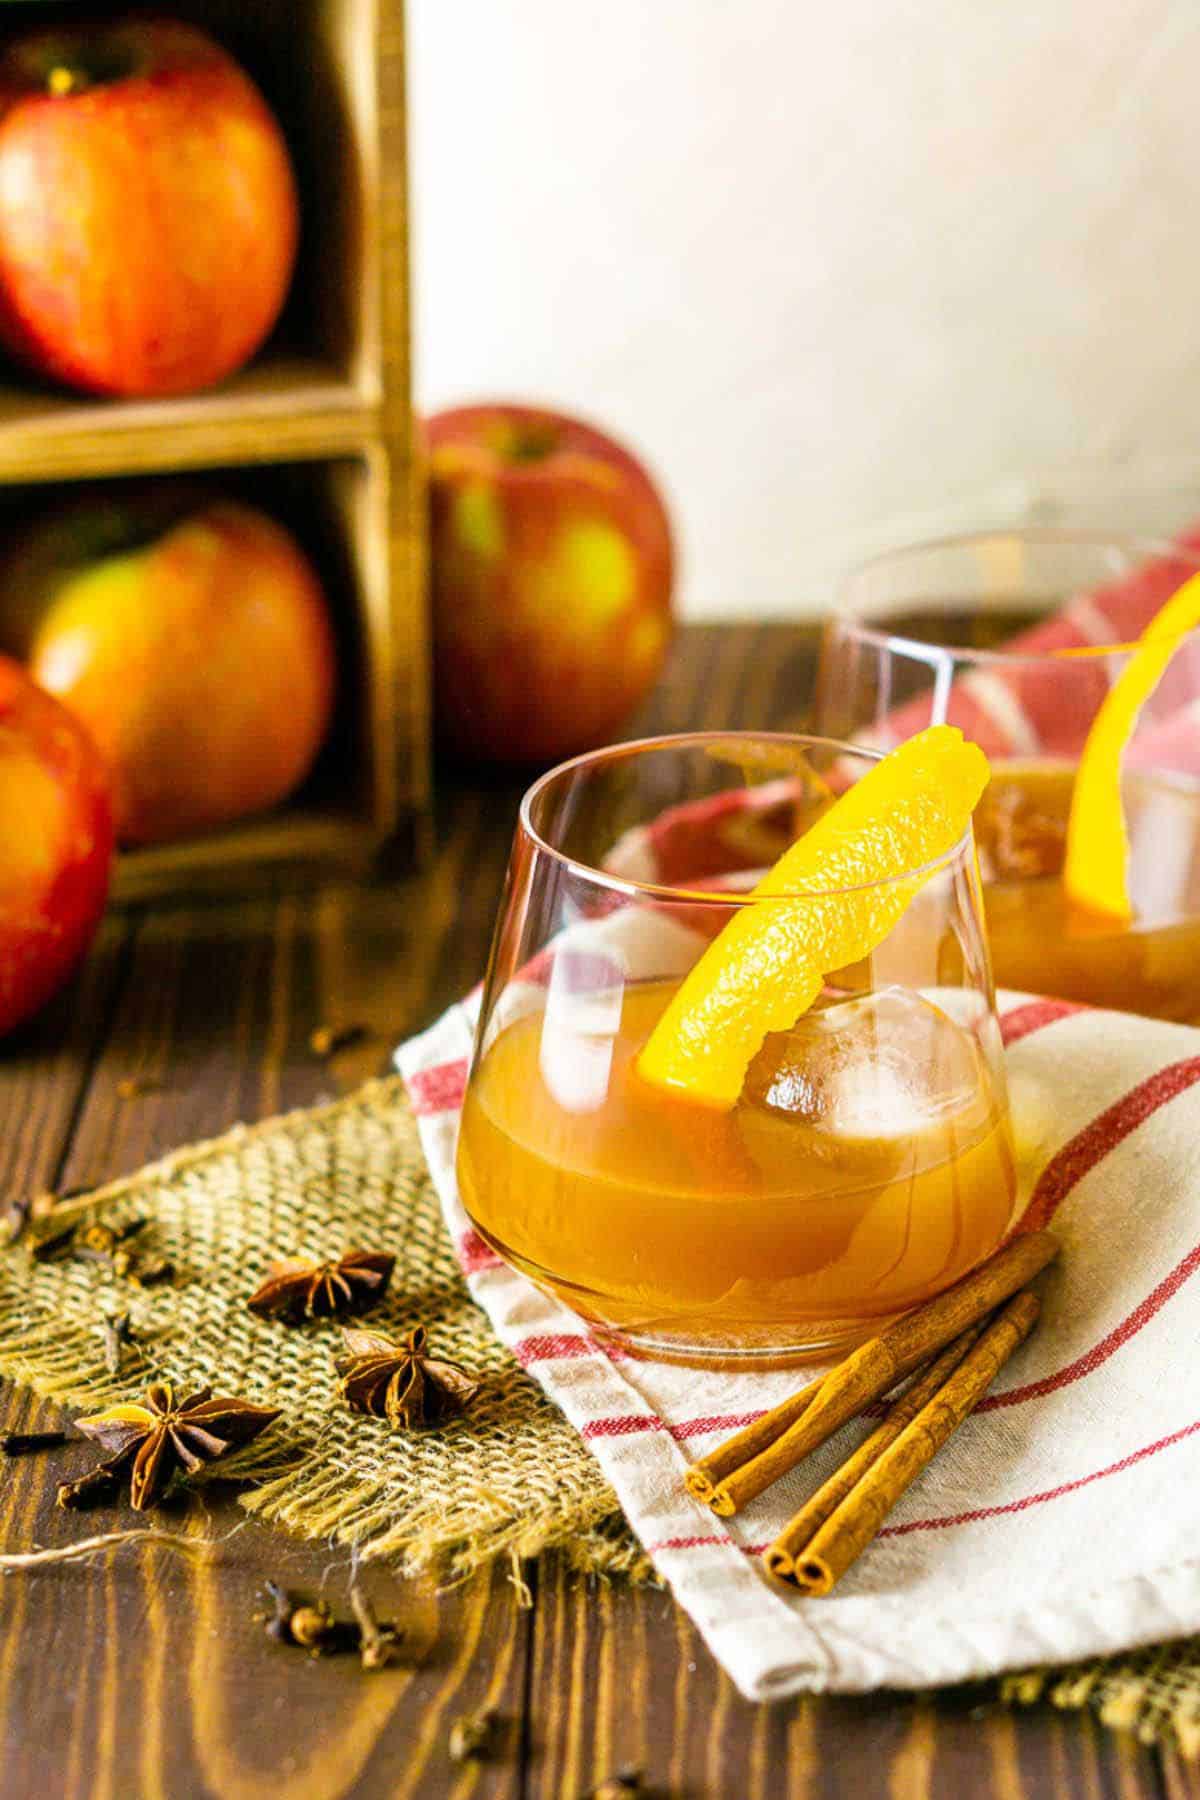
[[195, 646], [56, 840], [552, 571], [148, 214]]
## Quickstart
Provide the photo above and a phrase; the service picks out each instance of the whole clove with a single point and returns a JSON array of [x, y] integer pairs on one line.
[[28, 1209], [15, 1218], [310, 1625], [307, 1624], [54, 1240], [98, 1486], [152, 1272], [473, 1738], [117, 1332], [615, 1787], [132, 1087], [88, 1240], [377, 1643], [327, 1040], [25, 1443]]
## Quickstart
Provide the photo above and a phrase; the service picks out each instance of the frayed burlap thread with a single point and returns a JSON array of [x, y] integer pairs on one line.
[[509, 1478]]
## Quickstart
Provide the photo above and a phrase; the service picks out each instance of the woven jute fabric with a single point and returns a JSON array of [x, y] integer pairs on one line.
[[509, 1478], [1154, 1693]]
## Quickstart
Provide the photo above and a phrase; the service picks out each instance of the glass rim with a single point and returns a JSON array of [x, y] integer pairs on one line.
[[731, 900], [1150, 545]]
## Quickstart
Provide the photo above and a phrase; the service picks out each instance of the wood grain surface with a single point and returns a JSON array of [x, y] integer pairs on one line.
[[144, 1677]]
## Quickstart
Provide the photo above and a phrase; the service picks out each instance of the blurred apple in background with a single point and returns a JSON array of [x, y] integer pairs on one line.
[[552, 571], [56, 840], [197, 650], [148, 215]]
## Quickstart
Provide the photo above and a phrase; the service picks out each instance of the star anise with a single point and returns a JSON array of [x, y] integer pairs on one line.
[[399, 1382], [295, 1291], [163, 1435]]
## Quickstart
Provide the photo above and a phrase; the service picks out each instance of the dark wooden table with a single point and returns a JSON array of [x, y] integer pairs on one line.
[[138, 1678]]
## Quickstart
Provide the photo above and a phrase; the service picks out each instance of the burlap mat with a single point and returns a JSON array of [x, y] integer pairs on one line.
[[510, 1477]]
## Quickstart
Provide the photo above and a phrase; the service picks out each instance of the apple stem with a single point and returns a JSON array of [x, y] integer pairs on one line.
[[63, 80]]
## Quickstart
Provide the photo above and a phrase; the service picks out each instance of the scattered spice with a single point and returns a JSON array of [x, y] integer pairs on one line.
[[295, 1290], [473, 1737], [116, 1331], [87, 1239], [307, 1624], [24, 1443], [326, 1040], [92, 1240], [163, 1436], [377, 1643], [132, 1087], [310, 1625], [54, 1240], [27, 1209], [150, 1272], [103, 1239], [627, 1781], [399, 1382], [93, 1489]]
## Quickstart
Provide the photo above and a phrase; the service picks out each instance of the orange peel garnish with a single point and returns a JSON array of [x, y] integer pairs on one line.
[[830, 900], [1096, 868]]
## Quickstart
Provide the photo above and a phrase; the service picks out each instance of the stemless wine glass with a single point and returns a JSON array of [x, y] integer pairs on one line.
[[867, 1162], [926, 634]]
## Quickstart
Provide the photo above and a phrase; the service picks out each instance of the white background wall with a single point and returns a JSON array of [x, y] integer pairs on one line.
[[844, 273]]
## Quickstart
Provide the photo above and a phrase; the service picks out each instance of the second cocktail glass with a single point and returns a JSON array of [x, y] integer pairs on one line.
[[925, 635], [866, 1162]]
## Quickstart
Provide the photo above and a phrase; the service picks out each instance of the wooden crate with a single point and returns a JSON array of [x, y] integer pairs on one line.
[[318, 429]]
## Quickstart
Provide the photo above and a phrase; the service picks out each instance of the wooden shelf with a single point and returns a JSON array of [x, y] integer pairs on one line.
[[318, 430], [276, 409]]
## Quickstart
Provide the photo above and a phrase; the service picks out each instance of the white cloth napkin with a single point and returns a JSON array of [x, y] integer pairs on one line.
[[1061, 1519]]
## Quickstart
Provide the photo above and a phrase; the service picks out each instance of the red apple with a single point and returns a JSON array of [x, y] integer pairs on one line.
[[197, 650], [148, 215], [56, 840], [552, 572]]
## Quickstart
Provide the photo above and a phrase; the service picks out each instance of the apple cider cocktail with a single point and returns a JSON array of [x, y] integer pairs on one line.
[[1100, 694], [743, 1123]]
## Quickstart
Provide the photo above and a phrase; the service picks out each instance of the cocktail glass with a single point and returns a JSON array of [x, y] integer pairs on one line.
[[925, 635], [867, 1162]]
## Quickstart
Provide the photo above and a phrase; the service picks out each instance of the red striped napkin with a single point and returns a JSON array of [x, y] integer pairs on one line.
[[1060, 1521]]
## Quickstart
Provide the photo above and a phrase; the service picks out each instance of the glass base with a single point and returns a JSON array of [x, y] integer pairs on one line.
[[733, 1349], [693, 1342]]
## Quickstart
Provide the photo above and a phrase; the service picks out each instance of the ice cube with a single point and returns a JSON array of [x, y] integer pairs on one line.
[[882, 1065]]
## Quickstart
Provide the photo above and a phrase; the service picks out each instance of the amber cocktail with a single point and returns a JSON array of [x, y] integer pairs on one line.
[[864, 1161], [1043, 944], [926, 634]]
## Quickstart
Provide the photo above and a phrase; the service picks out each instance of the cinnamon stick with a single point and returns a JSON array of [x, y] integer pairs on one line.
[[702, 1477], [850, 1528], [876, 1366], [796, 1536]]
